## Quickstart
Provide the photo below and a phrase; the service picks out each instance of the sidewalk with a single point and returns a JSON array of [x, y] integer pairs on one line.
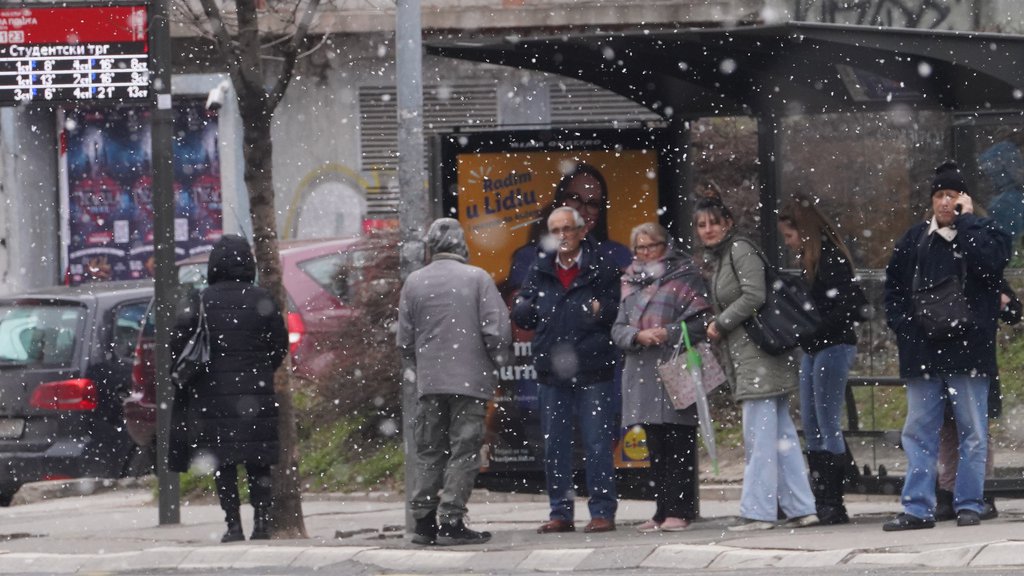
[[117, 531]]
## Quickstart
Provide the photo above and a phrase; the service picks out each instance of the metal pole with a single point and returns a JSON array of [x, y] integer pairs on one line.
[[414, 208], [769, 146], [163, 245]]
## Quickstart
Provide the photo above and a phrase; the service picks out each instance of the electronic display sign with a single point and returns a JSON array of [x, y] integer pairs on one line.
[[74, 54]]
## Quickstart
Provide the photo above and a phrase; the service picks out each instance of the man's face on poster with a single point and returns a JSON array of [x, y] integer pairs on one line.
[[584, 193]]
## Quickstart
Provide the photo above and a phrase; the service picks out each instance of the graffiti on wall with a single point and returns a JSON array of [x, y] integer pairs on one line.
[[933, 14]]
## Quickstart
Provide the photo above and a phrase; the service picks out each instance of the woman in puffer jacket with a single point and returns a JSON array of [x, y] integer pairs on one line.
[[233, 407]]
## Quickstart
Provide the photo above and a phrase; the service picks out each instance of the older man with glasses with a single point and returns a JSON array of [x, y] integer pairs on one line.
[[570, 298]]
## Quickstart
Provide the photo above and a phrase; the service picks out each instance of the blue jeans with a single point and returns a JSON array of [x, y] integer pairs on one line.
[[926, 401], [775, 476], [593, 407], [822, 393]]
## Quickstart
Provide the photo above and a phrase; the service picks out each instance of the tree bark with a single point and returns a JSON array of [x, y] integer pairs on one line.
[[286, 514], [242, 53]]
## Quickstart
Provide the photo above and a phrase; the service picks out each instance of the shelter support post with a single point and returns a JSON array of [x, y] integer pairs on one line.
[[679, 181], [769, 148]]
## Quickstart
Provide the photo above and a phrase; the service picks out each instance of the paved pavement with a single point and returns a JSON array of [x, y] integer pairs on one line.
[[116, 531]]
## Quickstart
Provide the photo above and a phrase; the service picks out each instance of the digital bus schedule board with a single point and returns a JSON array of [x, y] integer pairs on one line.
[[73, 54]]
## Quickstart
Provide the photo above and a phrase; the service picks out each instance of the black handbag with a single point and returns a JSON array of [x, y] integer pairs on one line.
[[788, 312], [940, 310], [195, 355]]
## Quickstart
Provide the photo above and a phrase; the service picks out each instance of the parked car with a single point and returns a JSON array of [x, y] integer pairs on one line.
[[317, 277], [66, 357]]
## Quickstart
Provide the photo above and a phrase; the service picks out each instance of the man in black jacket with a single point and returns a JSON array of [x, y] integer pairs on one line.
[[955, 358], [571, 297]]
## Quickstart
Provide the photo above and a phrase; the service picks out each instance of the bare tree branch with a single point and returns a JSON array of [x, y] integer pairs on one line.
[[222, 40], [299, 37]]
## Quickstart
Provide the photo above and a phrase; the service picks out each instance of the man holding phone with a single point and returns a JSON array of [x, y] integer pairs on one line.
[[965, 254]]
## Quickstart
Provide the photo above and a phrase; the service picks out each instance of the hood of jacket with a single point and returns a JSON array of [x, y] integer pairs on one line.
[[231, 261]]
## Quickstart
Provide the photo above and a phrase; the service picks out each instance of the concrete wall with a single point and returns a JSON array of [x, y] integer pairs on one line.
[[941, 14], [319, 178]]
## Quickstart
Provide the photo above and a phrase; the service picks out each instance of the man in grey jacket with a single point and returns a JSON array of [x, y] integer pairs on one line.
[[453, 334]]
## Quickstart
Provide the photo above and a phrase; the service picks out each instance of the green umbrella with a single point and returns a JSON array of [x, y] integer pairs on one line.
[[707, 427]]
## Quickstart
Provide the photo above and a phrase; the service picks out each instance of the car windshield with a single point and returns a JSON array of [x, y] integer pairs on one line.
[[39, 334]]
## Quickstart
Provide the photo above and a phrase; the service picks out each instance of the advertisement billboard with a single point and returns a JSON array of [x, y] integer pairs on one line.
[[502, 186], [107, 199]]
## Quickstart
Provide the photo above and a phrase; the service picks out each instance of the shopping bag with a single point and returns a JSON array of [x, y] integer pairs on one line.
[[679, 381]]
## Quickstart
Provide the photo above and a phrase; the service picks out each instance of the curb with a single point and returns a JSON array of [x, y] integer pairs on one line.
[[674, 556]]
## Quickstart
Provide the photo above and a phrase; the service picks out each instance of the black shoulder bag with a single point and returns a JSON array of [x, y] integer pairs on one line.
[[788, 312], [196, 354], [940, 310]]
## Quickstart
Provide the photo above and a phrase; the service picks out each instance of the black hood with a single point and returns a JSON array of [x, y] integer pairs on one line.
[[231, 260]]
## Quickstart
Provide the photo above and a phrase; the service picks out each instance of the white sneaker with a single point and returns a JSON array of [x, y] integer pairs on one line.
[[801, 521], [748, 525]]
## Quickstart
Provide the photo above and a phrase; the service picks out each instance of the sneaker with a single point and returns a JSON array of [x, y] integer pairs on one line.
[[967, 518], [748, 525], [905, 521], [672, 524], [801, 521], [648, 527], [458, 534]]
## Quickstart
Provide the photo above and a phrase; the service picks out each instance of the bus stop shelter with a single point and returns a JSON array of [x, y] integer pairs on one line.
[[770, 73]]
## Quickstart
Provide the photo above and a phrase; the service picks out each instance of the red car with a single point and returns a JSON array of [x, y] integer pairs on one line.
[[317, 277]]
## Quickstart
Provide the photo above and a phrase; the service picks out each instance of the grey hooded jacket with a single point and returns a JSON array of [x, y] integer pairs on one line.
[[453, 327]]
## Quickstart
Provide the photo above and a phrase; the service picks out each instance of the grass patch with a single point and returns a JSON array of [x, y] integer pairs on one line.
[[350, 454]]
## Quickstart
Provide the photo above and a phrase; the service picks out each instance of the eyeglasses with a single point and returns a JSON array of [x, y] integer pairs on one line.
[[563, 230], [647, 247], [592, 204]]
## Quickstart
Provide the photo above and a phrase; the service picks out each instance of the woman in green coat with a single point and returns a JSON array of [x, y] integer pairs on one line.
[[775, 476]]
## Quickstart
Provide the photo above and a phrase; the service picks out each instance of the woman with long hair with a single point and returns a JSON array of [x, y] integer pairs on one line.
[[774, 476], [828, 352]]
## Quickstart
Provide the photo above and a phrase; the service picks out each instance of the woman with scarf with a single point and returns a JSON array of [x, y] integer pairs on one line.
[[661, 289], [774, 476]]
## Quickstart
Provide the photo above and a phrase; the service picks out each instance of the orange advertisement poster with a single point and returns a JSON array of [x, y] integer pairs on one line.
[[502, 197], [502, 186]]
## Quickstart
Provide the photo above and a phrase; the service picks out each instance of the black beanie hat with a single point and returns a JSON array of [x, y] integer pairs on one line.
[[948, 177]]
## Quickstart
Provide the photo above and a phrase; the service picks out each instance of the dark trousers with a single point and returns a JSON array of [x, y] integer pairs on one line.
[[673, 457], [259, 486]]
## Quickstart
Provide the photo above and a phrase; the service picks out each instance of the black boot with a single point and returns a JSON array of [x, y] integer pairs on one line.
[[426, 530], [260, 523], [827, 477], [234, 521], [944, 505], [457, 534], [990, 512]]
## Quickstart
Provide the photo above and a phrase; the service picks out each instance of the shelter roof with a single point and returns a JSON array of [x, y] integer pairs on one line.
[[785, 69]]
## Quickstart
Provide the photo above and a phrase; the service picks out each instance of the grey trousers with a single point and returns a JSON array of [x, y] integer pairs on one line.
[[449, 433]]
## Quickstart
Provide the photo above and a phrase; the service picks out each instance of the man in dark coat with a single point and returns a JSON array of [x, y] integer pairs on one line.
[[955, 245], [233, 408], [571, 298]]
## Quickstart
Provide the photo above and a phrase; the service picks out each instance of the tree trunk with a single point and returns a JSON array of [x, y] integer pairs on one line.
[[286, 515]]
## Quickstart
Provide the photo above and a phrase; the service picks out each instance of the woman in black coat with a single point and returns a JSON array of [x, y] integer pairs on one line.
[[233, 408]]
